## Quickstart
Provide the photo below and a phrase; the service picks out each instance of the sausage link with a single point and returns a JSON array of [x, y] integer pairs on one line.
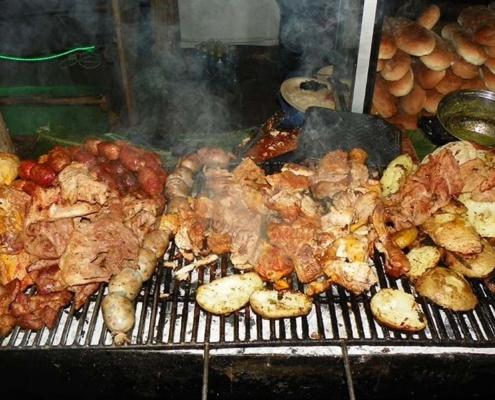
[[127, 283], [146, 263], [118, 313], [157, 242]]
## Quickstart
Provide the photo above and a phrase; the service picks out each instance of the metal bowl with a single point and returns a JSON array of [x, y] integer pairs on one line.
[[469, 115]]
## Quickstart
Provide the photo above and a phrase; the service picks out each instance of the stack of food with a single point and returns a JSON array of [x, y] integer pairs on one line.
[[421, 61], [311, 220], [440, 214], [321, 223], [74, 218]]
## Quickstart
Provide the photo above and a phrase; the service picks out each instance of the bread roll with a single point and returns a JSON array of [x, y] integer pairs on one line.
[[449, 83], [479, 21], [465, 70], [380, 64], [387, 47], [411, 37], [403, 86], [395, 68], [441, 57], [432, 100], [490, 51], [485, 35], [466, 48], [489, 78], [404, 121], [384, 104], [429, 17], [474, 16], [426, 77], [413, 102], [475, 84], [490, 64]]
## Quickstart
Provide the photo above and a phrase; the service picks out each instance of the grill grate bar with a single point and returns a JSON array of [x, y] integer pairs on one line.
[[168, 317], [157, 336]]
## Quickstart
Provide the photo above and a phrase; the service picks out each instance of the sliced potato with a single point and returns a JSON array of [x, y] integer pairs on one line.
[[480, 214], [446, 288], [421, 259], [398, 310], [396, 173], [454, 233], [405, 237], [477, 266], [226, 295], [285, 304]]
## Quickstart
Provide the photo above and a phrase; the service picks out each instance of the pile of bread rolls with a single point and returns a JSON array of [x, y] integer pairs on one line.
[[421, 61]]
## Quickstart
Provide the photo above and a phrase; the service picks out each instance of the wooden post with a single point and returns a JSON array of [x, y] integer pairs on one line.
[[124, 70], [5, 140]]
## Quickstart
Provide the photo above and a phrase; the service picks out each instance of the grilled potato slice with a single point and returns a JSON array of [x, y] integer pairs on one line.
[[396, 173], [422, 259], [405, 237], [477, 266], [480, 214], [398, 310], [226, 295], [454, 233], [446, 288], [284, 304]]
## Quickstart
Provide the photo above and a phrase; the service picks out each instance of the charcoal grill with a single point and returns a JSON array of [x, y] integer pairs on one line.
[[168, 321]]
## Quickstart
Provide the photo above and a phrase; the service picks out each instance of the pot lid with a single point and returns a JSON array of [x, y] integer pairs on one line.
[[304, 92]]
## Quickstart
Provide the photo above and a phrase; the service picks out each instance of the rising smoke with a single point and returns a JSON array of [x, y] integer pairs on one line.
[[172, 94]]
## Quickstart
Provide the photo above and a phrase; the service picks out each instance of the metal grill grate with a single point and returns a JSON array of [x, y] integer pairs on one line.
[[167, 316]]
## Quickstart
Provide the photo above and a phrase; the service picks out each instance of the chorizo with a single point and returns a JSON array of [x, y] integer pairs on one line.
[[59, 158], [91, 145], [150, 182], [110, 151], [131, 158], [43, 175], [83, 156]]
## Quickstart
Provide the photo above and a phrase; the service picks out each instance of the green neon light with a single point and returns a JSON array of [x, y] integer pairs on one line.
[[87, 49]]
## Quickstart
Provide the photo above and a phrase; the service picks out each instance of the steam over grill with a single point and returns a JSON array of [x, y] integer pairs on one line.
[[168, 317]]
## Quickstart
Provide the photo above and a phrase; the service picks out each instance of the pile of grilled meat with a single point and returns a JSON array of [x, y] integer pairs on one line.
[[74, 218]]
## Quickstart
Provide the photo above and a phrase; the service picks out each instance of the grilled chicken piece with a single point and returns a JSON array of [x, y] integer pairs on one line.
[[396, 262], [356, 277], [78, 184], [8, 293], [273, 264], [298, 242], [13, 208], [14, 266]]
